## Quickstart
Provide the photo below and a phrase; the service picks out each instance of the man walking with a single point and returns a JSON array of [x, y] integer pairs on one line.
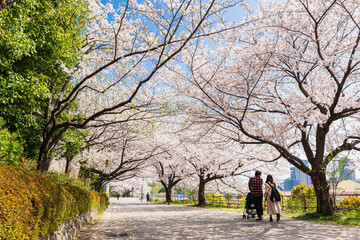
[[255, 187]]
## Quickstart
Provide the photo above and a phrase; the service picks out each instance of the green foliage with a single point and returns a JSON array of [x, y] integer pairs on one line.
[[156, 200], [300, 195], [337, 218], [27, 163], [106, 197], [97, 182], [73, 141], [65, 180], [228, 196], [239, 196], [350, 202], [33, 205], [104, 194], [38, 40], [11, 148], [336, 172], [301, 189], [113, 194], [157, 187], [243, 200], [162, 190], [152, 185], [336, 169], [71, 144], [94, 180], [209, 198], [191, 193], [215, 199]]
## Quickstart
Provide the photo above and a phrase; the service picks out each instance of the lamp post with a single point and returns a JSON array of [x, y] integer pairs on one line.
[[142, 184], [107, 190]]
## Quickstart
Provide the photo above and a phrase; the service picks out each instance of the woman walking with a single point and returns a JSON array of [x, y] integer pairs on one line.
[[272, 207]]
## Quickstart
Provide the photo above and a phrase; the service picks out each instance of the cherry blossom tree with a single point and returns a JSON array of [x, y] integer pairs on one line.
[[127, 187], [117, 153], [168, 166], [170, 169], [124, 47], [211, 157], [288, 80]]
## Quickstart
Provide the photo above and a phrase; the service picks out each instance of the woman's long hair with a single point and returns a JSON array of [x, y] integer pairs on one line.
[[269, 179]]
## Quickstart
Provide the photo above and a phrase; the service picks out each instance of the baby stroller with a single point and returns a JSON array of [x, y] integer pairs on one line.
[[249, 207]]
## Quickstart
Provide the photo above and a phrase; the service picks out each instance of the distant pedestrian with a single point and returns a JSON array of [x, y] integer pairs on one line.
[[148, 197], [255, 187], [118, 196], [273, 206]]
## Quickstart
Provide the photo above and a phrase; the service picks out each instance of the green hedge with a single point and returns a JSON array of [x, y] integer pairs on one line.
[[33, 205]]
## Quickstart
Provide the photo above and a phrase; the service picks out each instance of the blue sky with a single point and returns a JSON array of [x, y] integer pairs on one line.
[[237, 13]]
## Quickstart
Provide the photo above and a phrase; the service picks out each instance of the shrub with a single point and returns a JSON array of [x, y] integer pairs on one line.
[[105, 196], [243, 200], [113, 194], [11, 147], [209, 198], [297, 200], [64, 180], [350, 202], [33, 205], [228, 196], [301, 189], [215, 199]]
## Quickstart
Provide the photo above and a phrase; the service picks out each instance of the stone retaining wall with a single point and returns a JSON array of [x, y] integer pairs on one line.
[[69, 230]]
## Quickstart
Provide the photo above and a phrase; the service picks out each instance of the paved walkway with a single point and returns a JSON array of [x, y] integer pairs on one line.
[[128, 218]]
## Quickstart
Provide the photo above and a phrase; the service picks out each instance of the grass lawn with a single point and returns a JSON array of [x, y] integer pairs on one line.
[[338, 218]]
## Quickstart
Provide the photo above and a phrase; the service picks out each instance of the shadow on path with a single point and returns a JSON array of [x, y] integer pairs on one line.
[[130, 219]]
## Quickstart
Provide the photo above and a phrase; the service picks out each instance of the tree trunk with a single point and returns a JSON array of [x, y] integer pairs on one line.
[[168, 194], [68, 163], [201, 193], [325, 204], [43, 160], [168, 188]]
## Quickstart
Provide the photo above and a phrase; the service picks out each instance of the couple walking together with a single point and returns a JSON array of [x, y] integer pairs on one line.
[[256, 189]]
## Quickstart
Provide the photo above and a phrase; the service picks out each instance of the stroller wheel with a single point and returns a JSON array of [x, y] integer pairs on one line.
[[244, 216], [248, 216], [253, 216]]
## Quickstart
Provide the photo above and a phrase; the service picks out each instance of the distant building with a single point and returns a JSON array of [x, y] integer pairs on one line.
[[349, 186], [290, 183], [297, 177]]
